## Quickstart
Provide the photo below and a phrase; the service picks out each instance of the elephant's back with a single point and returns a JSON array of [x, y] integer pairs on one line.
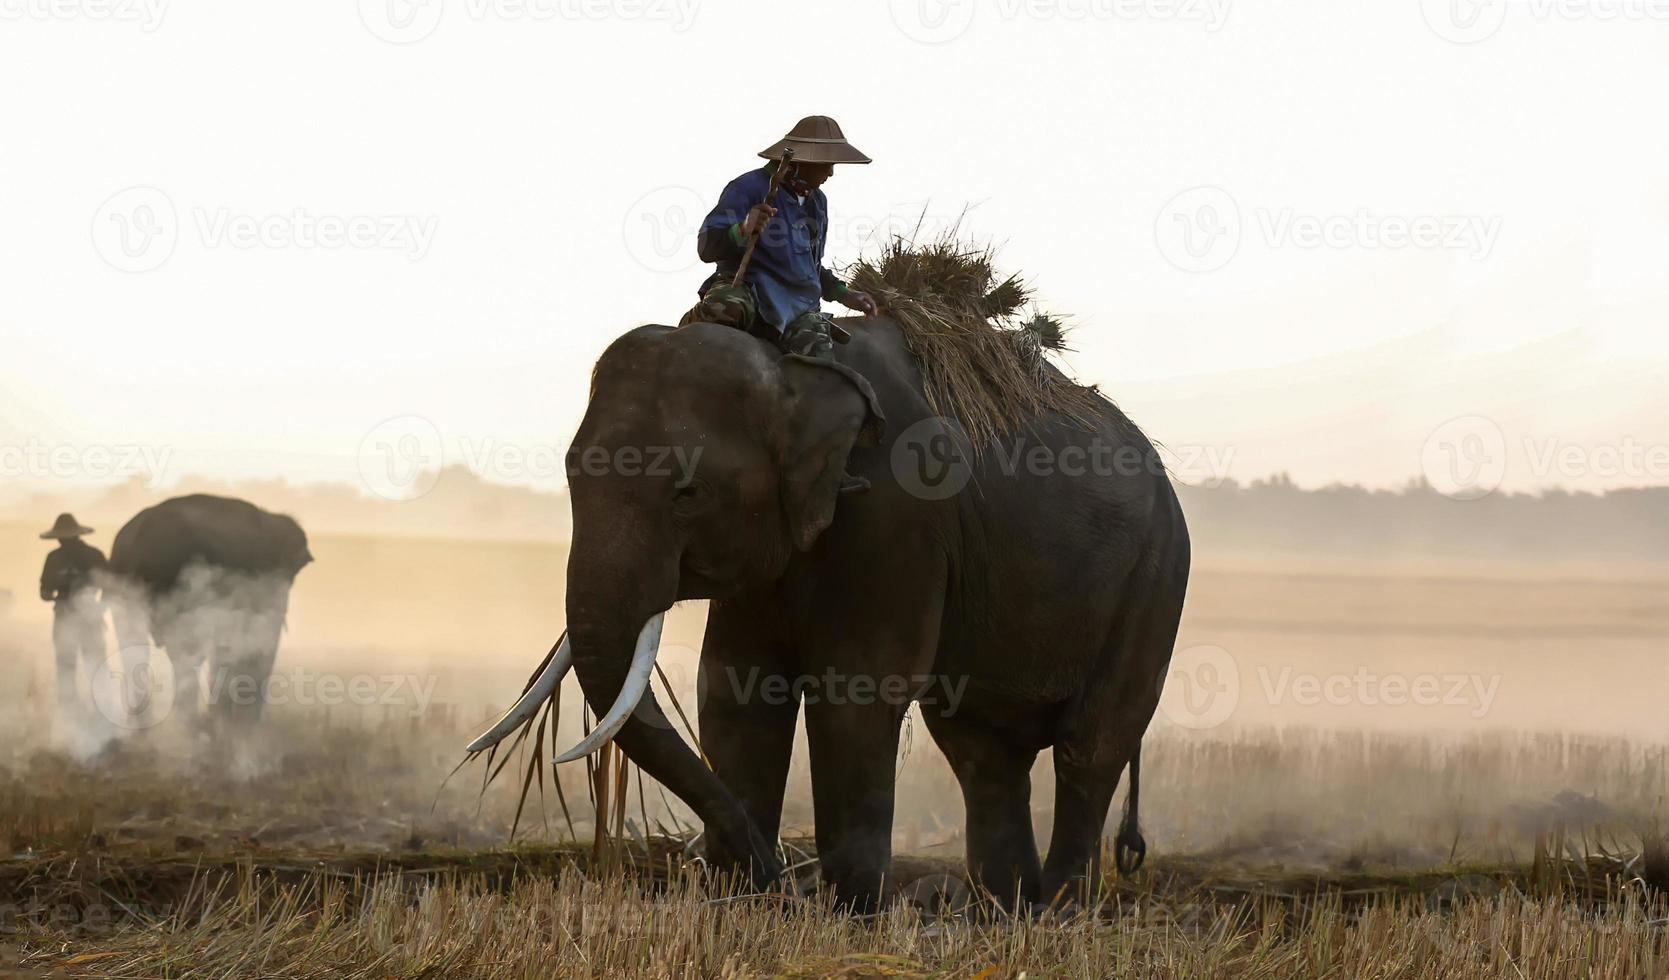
[[223, 532]]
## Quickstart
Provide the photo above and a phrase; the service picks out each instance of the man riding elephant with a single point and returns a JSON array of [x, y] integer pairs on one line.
[[786, 218], [785, 282], [67, 581]]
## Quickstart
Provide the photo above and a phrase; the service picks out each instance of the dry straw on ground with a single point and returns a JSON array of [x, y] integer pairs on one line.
[[577, 926]]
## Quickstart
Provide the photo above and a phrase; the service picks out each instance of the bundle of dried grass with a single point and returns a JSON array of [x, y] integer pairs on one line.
[[983, 363]]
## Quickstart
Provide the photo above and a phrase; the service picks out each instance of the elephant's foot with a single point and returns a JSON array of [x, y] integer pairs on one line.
[[744, 852], [857, 879]]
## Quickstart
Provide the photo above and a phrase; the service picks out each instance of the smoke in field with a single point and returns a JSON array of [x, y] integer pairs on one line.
[[1319, 712]]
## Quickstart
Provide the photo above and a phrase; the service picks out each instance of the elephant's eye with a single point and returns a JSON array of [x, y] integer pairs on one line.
[[687, 496]]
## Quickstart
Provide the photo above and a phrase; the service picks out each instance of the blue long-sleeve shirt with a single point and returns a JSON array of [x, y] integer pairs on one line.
[[786, 271]]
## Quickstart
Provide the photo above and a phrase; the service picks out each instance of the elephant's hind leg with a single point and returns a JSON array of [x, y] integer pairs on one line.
[[995, 774], [1101, 735]]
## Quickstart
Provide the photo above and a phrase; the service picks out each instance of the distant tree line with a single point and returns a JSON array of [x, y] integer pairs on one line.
[[1272, 516], [1275, 515]]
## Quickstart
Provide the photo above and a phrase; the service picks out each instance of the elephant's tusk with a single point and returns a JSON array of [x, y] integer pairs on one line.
[[631, 692], [543, 686]]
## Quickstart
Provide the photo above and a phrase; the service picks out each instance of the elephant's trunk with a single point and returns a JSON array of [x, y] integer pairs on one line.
[[615, 615], [617, 689]]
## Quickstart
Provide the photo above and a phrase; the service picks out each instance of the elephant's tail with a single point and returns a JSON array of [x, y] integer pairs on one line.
[[1129, 849]]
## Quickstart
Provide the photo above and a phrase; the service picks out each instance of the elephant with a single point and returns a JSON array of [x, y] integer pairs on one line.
[[208, 579], [1049, 595]]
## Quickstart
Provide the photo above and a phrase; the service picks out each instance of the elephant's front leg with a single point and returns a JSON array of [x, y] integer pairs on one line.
[[854, 755], [747, 715], [866, 639]]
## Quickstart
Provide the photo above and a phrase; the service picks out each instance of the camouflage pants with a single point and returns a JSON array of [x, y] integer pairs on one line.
[[734, 306], [808, 335]]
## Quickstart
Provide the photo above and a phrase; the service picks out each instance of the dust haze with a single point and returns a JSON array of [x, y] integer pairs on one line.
[[1411, 702]]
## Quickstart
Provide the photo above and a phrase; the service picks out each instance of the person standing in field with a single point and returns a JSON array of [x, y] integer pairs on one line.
[[68, 582]]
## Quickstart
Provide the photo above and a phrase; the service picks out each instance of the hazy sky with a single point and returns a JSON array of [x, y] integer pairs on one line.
[[1298, 235]]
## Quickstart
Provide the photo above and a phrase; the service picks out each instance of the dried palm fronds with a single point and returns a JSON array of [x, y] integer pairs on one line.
[[982, 360]]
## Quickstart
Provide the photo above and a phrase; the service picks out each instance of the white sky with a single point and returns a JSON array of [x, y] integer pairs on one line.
[[543, 147]]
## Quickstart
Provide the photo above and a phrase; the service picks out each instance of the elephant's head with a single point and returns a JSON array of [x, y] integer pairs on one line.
[[291, 553], [705, 459]]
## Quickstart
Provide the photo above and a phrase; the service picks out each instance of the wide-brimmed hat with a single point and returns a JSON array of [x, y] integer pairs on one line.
[[66, 526], [815, 139]]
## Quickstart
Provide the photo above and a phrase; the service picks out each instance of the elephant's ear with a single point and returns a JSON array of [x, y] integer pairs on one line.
[[827, 408]]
